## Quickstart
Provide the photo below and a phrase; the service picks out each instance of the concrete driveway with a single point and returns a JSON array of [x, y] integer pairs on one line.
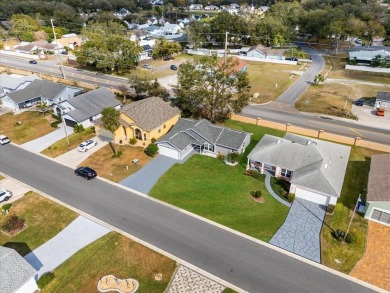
[[74, 158], [300, 232], [41, 143], [144, 179], [17, 188], [54, 252]]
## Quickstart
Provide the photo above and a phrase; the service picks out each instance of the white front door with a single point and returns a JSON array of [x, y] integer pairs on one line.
[[311, 196]]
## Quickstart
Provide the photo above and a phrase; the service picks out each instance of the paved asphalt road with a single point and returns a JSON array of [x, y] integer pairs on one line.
[[300, 86], [235, 259]]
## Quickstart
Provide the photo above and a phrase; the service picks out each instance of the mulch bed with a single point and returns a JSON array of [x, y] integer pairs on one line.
[[258, 199], [14, 232]]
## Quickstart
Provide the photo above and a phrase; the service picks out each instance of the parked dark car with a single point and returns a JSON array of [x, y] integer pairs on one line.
[[85, 172], [173, 67], [291, 58], [32, 62], [359, 103]]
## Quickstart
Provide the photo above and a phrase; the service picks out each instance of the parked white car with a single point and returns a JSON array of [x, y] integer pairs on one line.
[[4, 139], [5, 195], [86, 145]]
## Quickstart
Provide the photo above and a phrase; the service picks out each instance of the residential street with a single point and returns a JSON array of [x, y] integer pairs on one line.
[[245, 263]]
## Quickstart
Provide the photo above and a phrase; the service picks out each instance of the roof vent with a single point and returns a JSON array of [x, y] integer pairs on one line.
[[326, 166]]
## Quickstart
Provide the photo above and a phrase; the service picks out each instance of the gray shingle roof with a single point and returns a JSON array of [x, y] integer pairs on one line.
[[378, 188], [150, 113], [316, 164], [188, 131], [12, 83], [383, 96], [38, 88], [15, 271], [91, 104]]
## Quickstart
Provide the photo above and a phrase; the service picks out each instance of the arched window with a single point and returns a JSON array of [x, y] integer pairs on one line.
[[138, 134]]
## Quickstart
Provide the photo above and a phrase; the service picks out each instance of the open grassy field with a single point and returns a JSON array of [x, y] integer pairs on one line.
[[60, 147], [117, 255], [265, 76], [114, 169], [33, 125], [44, 218], [225, 196], [331, 98], [334, 254]]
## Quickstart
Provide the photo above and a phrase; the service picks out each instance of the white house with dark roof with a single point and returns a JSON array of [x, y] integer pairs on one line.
[[84, 109], [382, 100], [12, 83], [37, 91], [366, 54], [16, 274], [262, 52], [202, 136], [315, 168]]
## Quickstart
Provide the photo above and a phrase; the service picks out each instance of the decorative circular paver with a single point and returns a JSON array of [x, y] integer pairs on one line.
[[111, 283]]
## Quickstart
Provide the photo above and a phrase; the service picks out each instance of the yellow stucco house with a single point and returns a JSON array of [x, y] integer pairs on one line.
[[145, 119]]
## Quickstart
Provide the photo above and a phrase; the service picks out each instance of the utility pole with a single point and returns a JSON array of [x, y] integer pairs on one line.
[[350, 222], [58, 52], [226, 41]]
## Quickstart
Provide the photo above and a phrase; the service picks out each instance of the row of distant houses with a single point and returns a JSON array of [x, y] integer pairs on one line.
[[232, 8]]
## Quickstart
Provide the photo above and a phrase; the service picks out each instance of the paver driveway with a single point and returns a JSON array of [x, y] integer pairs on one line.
[[300, 232], [54, 252], [144, 179]]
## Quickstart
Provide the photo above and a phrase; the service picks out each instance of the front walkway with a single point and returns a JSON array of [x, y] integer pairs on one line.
[[41, 143], [268, 176], [144, 179], [300, 232], [374, 267], [74, 237]]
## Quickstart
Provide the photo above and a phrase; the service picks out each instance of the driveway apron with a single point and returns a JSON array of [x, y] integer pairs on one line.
[[54, 252], [300, 233], [41, 143]]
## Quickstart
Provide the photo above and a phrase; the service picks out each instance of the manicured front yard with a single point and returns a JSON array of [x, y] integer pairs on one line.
[[33, 125], [343, 257], [44, 218], [60, 147], [117, 255], [116, 169]]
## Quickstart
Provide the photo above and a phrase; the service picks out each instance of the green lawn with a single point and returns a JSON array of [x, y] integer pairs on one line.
[[60, 147], [112, 254], [44, 218], [210, 188], [355, 183]]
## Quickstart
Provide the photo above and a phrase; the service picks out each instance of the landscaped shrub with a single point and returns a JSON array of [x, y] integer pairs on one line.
[[78, 128], [257, 194], [56, 117], [233, 157], [291, 197], [221, 156], [330, 209], [133, 141], [257, 175], [151, 150], [93, 129], [6, 207], [55, 124], [118, 154], [13, 223], [45, 279], [153, 140]]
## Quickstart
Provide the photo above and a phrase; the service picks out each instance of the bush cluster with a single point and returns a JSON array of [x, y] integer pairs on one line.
[[133, 141], [45, 279], [78, 128], [13, 223], [151, 150]]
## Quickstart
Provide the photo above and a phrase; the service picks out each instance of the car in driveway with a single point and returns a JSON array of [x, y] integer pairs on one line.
[[33, 62], [4, 139], [86, 145], [86, 172], [5, 195], [173, 67], [147, 66]]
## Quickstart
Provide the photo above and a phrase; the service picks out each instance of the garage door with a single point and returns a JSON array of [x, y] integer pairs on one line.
[[312, 196], [381, 216], [70, 123], [168, 152]]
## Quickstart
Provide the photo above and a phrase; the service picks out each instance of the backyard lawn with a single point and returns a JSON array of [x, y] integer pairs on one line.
[[116, 169], [44, 218], [343, 257], [210, 188], [60, 147], [33, 125], [112, 254]]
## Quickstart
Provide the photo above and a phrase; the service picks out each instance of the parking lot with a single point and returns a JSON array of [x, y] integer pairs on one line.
[[367, 114]]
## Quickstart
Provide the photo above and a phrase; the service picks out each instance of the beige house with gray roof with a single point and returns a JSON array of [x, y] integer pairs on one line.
[[146, 119]]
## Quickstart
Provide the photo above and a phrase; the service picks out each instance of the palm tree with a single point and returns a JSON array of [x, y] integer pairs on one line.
[[318, 79], [110, 119], [42, 108]]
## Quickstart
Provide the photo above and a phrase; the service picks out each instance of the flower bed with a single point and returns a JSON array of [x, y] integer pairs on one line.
[[111, 283]]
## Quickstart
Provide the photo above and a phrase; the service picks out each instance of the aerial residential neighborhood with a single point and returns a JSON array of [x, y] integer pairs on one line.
[[170, 146]]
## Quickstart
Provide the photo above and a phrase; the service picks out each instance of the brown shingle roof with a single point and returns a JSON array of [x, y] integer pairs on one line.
[[379, 178], [150, 113]]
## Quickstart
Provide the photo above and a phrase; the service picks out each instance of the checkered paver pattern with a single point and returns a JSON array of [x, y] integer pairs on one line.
[[188, 281]]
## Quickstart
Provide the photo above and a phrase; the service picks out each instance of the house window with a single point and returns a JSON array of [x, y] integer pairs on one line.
[[286, 173], [144, 136], [208, 147], [159, 130], [164, 126], [90, 119], [138, 134]]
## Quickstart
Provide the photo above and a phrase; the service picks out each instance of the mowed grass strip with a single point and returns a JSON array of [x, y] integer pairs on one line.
[[343, 257], [112, 254], [116, 169], [44, 218], [33, 125], [60, 147]]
